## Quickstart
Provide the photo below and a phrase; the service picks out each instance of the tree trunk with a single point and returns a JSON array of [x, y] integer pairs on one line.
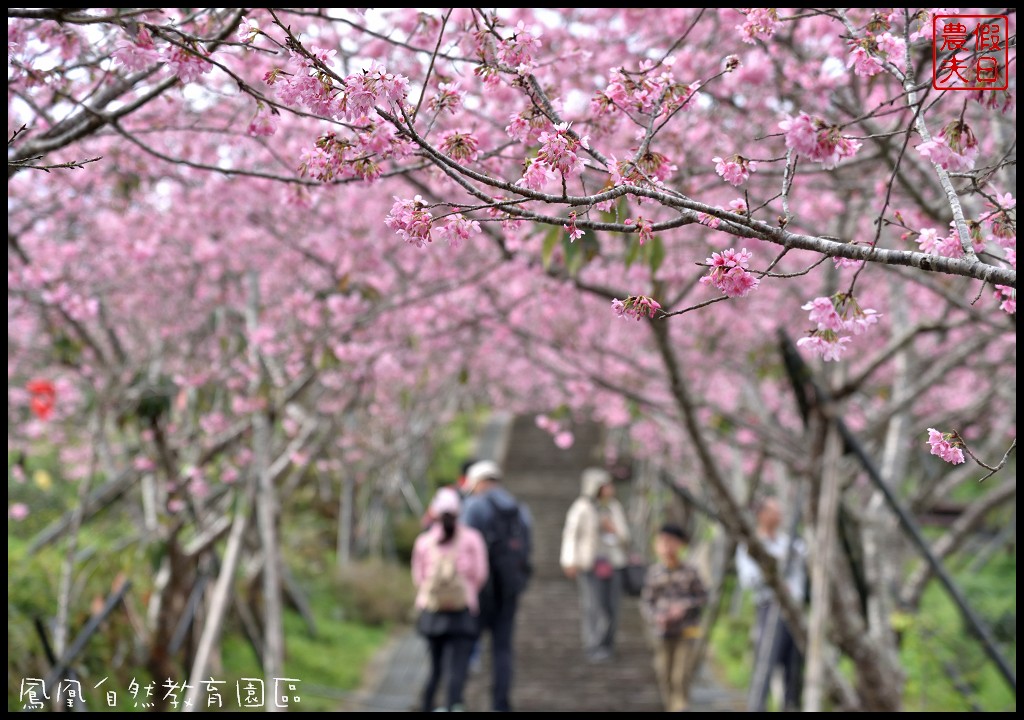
[[821, 560], [222, 594]]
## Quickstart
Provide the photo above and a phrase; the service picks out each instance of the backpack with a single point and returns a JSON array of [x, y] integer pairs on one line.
[[445, 590], [508, 549]]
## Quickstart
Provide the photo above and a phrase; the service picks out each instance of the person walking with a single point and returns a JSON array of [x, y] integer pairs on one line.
[[672, 601], [507, 528], [773, 642], [427, 519], [449, 568], [595, 540]]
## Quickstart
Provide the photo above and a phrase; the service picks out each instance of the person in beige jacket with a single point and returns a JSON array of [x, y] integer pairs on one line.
[[595, 543]]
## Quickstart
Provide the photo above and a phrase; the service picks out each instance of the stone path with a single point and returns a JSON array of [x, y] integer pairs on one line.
[[551, 673]]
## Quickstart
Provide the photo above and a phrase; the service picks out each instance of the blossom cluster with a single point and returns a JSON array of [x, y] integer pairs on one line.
[[954, 148], [644, 228], [413, 222], [834, 316], [729, 273], [334, 157], [185, 60], [761, 24], [562, 436], [735, 169], [870, 53], [559, 153], [815, 139], [636, 307], [947, 446], [311, 83], [644, 91]]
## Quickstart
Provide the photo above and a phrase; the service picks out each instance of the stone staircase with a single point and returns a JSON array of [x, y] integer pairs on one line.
[[551, 674]]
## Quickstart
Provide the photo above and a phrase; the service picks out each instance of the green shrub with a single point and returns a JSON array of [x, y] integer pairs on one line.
[[375, 592], [405, 530]]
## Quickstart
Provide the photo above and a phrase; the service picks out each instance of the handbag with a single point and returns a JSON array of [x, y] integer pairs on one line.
[[432, 624], [603, 568], [633, 576]]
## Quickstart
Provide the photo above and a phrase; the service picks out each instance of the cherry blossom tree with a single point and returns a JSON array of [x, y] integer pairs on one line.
[[247, 242]]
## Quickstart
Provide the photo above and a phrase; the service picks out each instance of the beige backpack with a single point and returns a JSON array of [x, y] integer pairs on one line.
[[444, 588]]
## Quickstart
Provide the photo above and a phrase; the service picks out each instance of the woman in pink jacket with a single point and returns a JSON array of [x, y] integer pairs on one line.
[[449, 567]]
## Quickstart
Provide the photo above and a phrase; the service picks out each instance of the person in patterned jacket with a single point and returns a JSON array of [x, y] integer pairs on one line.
[[672, 600]]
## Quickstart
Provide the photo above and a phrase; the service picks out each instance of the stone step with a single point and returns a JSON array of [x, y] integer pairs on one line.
[[551, 674]]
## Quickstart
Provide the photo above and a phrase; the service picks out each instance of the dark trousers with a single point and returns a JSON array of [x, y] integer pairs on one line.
[[449, 655], [497, 616], [784, 652]]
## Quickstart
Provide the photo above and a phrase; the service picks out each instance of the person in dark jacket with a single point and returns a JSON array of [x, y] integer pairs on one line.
[[486, 498]]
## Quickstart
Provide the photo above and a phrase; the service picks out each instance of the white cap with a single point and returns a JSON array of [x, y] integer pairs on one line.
[[485, 469], [446, 500]]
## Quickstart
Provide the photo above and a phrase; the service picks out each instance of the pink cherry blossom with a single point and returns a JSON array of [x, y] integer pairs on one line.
[[546, 423], [265, 122], [735, 170], [893, 48], [815, 139], [833, 316], [188, 65], [411, 221], [248, 30], [18, 511], [864, 63], [460, 145], [448, 98], [646, 306], [829, 347], [841, 263], [1007, 297], [761, 24], [564, 439], [138, 55], [636, 307], [946, 445], [712, 221], [928, 240], [559, 151], [458, 229], [518, 49], [954, 148], [644, 229], [823, 313], [537, 175], [574, 232], [729, 273], [526, 126]]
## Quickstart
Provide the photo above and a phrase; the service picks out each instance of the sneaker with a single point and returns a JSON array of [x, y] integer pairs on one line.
[[599, 655]]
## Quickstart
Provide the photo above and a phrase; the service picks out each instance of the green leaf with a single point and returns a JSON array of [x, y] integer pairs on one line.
[[633, 251], [656, 254], [573, 256], [550, 242], [589, 244], [618, 212]]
